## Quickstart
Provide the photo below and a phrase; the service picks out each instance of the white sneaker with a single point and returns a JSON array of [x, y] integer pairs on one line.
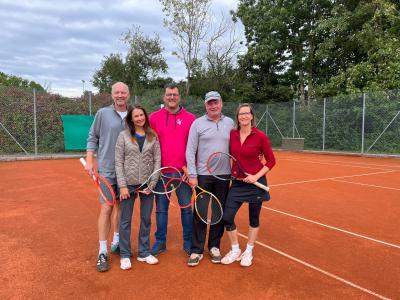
[[246, 259], [231, 257], [151, 260], [125, 263]]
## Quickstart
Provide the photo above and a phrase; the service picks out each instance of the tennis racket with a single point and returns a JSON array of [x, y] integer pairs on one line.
[[105, 189], [218, 160], [206, 205], [150, 183]]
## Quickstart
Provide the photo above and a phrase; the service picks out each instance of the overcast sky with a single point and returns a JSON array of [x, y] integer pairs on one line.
[[61, 43]]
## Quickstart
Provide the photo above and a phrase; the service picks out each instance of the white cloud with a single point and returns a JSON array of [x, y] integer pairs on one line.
[[63, 42]]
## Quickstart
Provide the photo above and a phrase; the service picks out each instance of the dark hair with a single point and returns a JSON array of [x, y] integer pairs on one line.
[[150, 133], [171, 85], [253, 121]]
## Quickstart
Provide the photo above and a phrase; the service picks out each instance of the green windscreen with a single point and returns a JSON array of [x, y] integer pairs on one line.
[[76, 129]]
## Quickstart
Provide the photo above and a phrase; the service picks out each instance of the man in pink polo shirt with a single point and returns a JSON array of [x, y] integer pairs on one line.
[[172, 124]]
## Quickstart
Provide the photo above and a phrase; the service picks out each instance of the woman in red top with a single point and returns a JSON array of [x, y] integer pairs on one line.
[[247, 143]]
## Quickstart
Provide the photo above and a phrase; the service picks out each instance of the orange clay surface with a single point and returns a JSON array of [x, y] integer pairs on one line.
[[331, 231]]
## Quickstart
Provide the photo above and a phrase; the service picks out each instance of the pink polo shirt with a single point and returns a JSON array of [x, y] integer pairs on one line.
[[173, 131]]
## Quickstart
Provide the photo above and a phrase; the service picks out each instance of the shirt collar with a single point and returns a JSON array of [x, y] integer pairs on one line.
[[220, 118]]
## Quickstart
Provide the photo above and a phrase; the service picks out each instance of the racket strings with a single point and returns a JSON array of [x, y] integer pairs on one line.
[[106, 191], [208, 208], [219, 163], [170, 184]]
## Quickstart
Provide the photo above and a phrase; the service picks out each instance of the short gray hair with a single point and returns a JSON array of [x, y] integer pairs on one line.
[[119, 83]]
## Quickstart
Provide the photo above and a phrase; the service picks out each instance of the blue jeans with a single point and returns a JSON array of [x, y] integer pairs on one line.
[[184, 195], [146, 207]]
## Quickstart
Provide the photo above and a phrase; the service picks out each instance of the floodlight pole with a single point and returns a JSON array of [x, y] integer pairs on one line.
[[83, 88]]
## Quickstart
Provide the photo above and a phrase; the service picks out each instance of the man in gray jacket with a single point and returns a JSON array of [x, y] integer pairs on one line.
[[208, 134], [108, 123]]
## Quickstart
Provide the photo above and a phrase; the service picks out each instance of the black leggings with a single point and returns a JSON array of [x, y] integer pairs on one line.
[[232, 208]]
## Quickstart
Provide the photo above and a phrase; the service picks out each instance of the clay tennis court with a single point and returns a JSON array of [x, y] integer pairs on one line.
[[331, 231]]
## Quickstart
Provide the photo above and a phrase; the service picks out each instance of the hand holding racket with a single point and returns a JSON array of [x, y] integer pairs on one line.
[[219, 160], [105, 189], [149, 186]]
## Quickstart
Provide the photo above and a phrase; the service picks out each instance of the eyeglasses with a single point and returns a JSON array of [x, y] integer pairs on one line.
[[171, 95], [246, 113]]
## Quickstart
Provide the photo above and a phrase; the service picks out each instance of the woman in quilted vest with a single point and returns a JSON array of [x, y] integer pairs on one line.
[[137, 156]]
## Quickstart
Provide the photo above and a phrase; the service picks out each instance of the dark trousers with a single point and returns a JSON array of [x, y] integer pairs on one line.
[[146, 207], [220, 189]]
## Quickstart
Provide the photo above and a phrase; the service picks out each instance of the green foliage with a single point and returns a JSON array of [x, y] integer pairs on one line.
[[112, 70], [342, 132], [142, 64], [306, 49], [16, 115], [11, 80], [361, 48], [186, 19]]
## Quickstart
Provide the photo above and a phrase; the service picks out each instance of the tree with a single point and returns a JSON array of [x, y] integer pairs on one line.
[[112, 70], [362, 46], [143, 63], [305, 49], [12, 80], [222, 49], [281, 45], [186, 19], [144, 60]]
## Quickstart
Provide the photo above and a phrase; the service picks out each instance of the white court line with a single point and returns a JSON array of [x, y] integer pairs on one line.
[[371, 185], [342, 163], [334, 228], [331, 178], [319, 270]]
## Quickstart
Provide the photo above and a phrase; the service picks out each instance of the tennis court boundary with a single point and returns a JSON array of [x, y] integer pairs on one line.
[[333, 228], [315, 268], [331, 178]]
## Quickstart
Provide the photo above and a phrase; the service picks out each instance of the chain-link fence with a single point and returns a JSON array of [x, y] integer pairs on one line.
[[30, 122]]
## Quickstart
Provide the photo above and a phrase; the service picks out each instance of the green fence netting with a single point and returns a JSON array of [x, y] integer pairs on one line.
[[76, 129]]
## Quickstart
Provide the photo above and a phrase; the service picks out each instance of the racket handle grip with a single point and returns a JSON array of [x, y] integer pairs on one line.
[[83, 162], [261, 186]]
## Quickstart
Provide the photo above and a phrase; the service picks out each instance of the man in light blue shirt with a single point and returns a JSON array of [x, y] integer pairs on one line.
[[208, 134], [108, 123]]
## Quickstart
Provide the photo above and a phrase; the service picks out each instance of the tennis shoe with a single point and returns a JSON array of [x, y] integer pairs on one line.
[[194, 259], [150, 259], [115, 248], [125, 263], [102, 264], [158, 247], [215, 255], [246, 259], [231, 257]]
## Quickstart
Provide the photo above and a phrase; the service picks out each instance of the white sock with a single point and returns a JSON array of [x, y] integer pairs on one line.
[[103, 247], [249, 248], [235, 248], [115, 240]]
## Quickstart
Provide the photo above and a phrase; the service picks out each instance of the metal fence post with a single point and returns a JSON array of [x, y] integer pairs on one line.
[[363, 125], [323, 126], [90, 103], [34, 119], [294, 116], [266, 120]]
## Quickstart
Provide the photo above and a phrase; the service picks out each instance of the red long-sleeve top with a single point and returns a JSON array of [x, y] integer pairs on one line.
[[248, 154]]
